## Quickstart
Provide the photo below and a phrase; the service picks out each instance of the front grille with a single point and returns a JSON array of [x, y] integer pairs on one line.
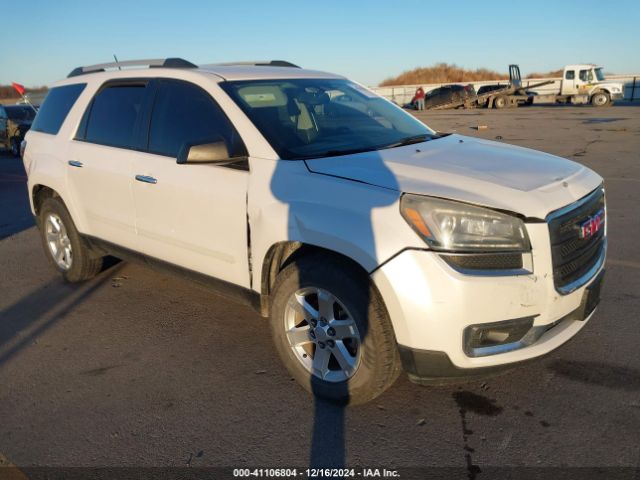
[[573, 256]]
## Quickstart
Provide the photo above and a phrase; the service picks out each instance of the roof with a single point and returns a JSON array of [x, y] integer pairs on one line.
[[271, 69], [578, 66], [253, 72]]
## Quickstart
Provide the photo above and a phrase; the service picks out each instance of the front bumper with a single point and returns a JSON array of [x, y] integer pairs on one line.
[[434, 368], [431, 304], [617, 96]]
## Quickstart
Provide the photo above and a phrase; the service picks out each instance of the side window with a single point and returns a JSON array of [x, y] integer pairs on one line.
[[114, 114], [570, 75], [55, 108], [184, 113], [583, 75]]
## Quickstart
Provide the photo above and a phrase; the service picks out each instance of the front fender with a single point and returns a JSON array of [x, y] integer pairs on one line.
[[289, 203]]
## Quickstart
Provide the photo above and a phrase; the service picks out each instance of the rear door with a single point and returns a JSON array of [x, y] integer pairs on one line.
[[100, 171], [191, 215], [569, 83]]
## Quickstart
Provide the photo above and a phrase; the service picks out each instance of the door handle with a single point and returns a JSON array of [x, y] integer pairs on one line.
[[146, 179], [75, 163]]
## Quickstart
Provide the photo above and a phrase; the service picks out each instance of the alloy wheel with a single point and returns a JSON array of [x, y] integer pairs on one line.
[[322, 334], [58, 241]]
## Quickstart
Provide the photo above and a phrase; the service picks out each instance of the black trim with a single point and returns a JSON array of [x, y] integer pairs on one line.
[[431, 367], [172, 62], [229, 290], [484, 261], [175, 62], [80, 71], [149, 86], [277, 63]]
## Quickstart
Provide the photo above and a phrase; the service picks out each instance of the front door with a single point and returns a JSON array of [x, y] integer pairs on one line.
[[191, 215], [584, 80]]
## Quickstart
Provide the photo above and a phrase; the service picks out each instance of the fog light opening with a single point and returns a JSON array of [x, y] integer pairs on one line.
[[497, 337]]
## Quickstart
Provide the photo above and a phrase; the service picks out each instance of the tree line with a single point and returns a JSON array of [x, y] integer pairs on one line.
[[7, 91], [450, 73]]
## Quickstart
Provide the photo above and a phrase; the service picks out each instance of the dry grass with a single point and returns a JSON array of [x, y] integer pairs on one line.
[[9, 101], [451, 73], [555, 73], [442, 73], [8, 93]]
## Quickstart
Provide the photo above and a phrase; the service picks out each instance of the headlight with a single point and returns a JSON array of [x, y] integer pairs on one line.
[[453, 226]]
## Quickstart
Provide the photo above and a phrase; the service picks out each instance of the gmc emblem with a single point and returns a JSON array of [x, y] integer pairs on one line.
[[592, 225]]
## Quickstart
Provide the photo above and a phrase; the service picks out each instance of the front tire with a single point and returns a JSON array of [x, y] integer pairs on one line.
[[600, 99], [332, 331], [67, 252]]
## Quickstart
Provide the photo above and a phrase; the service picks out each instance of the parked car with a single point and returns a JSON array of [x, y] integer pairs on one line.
[[15, 121], [445, 94], [491, 88], [370, 241]]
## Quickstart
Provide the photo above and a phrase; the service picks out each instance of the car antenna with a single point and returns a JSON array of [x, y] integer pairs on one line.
[[116, 59]]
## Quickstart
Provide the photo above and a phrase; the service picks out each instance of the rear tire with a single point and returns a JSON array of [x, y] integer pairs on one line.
[[600, 99], [15, 147], [500, 102], [67, 252], [375, 362]]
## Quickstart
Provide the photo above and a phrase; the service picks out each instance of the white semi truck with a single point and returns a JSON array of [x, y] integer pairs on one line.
[[580, 83], [584, 83]]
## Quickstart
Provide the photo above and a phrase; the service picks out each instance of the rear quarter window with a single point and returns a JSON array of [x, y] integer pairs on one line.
[[55, 108]]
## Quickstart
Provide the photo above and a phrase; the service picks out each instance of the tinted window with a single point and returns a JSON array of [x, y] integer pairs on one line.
[[570, 75], [586, 75], [55, 108], [114, 115], [21, 113], [184, 113]]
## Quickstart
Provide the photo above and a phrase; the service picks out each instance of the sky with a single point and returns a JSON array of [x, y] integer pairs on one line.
[[366, 41]]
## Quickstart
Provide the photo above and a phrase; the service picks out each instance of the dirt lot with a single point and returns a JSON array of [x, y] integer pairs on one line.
[[139, 369]]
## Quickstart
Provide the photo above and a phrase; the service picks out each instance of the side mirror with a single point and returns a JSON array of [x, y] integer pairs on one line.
[[215, 152]]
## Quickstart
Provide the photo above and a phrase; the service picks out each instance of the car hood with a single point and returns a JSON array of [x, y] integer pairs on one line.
[[609, 83], [468, 169]]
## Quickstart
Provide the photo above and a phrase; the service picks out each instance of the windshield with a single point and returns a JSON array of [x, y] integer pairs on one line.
[[599, 74], [312, 118], [20, 113]]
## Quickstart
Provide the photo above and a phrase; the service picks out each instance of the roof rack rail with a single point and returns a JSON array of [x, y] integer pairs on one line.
[[264, 63], [151, 63]]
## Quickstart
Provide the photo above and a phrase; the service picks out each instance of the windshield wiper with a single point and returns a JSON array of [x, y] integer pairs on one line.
[[410, 140], [337, 153], [407, 141]]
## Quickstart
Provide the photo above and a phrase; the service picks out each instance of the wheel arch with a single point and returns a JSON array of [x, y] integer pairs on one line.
[[39, 193], [281, 254], [600, 90]]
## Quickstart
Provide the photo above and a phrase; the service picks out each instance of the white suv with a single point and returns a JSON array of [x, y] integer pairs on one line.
[[372, 242]]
